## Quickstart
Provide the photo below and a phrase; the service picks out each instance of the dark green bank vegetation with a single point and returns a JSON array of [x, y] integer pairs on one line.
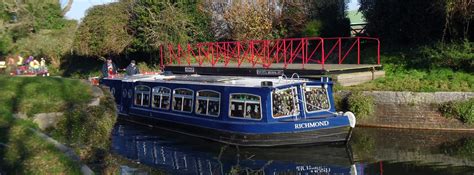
[[21, 150], [363, 106], [461, 110], [86, 129]]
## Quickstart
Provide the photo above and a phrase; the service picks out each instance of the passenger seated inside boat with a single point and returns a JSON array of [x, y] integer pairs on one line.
[[142, 96], [245, 106], [183, 100], [208, 103], [202, 107], [161, 97]]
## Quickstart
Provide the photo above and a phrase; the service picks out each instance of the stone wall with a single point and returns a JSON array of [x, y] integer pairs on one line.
[[413, 110]]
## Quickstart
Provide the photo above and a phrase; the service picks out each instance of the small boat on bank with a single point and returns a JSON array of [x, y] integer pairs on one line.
[[246, 111]]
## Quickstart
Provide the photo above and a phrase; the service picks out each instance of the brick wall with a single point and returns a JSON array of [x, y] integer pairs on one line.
[[413, 110]]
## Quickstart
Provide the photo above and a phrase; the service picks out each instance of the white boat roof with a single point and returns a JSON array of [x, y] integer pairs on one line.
[[211, 80]]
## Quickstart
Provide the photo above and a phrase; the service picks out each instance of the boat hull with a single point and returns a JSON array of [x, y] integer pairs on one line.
[[333, 135]]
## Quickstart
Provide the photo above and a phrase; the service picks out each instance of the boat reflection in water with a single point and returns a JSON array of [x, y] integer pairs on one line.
[[180, 154]]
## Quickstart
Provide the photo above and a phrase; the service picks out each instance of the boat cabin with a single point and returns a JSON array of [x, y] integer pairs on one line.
[[224, 98]]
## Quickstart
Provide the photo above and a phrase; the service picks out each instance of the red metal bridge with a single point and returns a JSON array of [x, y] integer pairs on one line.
[[314, 53]]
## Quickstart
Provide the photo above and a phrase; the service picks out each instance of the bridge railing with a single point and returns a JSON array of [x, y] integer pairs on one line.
[[265, 53]]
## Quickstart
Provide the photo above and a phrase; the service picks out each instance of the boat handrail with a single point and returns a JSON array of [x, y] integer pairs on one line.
[[292, 75], [283, 76]]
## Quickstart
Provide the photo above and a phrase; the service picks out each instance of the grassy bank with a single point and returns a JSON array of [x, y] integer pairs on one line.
[[23, 152], [85, 129], [427, 68], [399, 78]]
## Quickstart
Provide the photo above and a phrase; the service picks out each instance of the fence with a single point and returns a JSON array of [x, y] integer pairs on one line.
[[265, 53]]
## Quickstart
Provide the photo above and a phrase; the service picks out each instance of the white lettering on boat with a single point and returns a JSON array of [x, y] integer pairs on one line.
[[311, 124], [314, 169], [189, 69]]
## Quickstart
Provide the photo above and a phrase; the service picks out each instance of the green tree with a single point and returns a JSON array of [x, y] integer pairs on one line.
[[35, 27], [30, 16], [250, 21], [154, 23], [52, 44], [294, 18], [104, 31], [331, 18], [417, 22]]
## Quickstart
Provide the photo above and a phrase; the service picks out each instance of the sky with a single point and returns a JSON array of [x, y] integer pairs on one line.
[[353, 5], [79, 7]]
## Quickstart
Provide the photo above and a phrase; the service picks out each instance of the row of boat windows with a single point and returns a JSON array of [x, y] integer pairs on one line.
[[207, 102], [284, 102]]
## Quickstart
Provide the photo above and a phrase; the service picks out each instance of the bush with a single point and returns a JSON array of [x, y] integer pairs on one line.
[[461, 110], [361, 105], [340, 101], [312, 28], [143, 67], [457, 56], [87, 129]]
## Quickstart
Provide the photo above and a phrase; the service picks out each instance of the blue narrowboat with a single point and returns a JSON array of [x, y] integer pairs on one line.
[[246, 111]]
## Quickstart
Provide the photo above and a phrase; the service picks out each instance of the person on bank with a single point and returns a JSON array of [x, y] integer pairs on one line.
[[11, 66], [132, 69], [109, 68], [34, 66]]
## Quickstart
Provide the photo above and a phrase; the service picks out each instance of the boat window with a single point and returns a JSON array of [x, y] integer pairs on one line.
[[245, 106], [285, 102], [142, 95], [208, 103], [161, 98], [183, 100], [316, 98]]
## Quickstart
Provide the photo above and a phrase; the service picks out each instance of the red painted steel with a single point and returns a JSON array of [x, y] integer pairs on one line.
[[264, 53]]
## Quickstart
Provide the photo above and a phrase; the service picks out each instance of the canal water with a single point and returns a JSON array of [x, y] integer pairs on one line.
[[371, 151]]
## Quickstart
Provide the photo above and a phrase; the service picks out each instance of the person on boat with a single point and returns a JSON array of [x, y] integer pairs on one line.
[[109, 68], [132, 69]]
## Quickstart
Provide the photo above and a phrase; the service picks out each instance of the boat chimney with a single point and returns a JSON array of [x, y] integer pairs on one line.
[[267, 84]]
